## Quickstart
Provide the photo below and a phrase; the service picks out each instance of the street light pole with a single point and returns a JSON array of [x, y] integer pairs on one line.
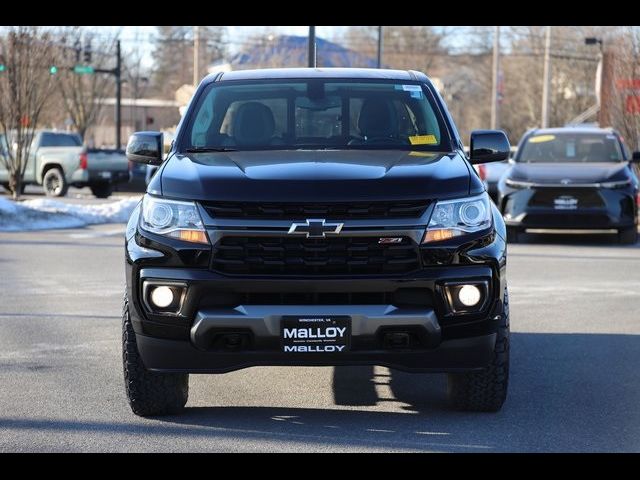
[[118, 75], [380, 47], [546, 81], [312, 47], [494, 83]]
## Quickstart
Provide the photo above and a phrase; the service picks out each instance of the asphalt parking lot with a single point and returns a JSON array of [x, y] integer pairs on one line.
[[575, 384]]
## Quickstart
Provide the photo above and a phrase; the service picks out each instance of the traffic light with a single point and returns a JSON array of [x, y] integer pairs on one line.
[[77, 46], [53, 70], [2, 67], [87, 52]]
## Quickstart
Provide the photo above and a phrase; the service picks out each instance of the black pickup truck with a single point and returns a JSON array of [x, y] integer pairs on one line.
[[316, 217]]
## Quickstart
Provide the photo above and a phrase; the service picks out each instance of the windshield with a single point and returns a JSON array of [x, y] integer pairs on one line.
[[316, 114], [571, 147]]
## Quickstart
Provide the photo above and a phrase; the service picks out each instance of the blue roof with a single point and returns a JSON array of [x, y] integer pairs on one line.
[[292, 51]]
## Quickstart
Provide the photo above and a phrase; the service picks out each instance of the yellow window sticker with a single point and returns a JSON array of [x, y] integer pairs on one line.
[[423, 140], [542, 139], [421, 154]]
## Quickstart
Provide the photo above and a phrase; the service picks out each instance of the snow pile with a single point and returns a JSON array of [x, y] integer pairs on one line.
[[48, 214]]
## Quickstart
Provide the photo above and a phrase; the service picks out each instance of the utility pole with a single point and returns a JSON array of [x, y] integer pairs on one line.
[[546, 81], [379, 47], [196, 56], [599, 71], [494, 83], [312, 47], [118, 74]]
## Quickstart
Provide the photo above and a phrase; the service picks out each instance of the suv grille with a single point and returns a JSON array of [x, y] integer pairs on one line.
[[546, 197], [307, 256], [329, 211]]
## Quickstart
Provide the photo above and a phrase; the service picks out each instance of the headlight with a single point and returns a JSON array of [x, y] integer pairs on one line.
[[517, 183], [618, 184], [174, 219], [452, 218]]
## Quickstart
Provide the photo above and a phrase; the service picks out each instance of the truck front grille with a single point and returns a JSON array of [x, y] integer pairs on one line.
[[329, 211], [403, 297], [304, 256]]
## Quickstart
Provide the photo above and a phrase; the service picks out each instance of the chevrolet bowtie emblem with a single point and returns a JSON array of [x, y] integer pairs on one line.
[[315, 228]]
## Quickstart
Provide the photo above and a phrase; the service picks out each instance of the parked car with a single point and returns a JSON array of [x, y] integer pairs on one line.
[[59, 160], [320, 217], [490, 173], [168, 138], [571, 178], [107, 168], [137, 177]]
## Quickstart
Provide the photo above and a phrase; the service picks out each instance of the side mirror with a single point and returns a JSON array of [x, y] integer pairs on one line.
[[635, 158], [145, 147], [488, 146]]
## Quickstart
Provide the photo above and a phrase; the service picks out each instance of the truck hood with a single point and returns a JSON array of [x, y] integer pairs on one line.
[[554, 173], [313, 175]]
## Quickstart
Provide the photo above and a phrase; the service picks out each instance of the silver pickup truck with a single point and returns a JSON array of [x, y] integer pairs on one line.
[[59, 160]]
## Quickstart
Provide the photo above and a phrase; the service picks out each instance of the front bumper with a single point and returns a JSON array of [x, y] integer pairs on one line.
[[440, 341], [214, 304], [456, 355], [603, 209]]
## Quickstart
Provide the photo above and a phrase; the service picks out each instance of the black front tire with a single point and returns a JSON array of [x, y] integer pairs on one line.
[[54, 183], [628, 236], [101, 190], [486, 390], [149, 393]]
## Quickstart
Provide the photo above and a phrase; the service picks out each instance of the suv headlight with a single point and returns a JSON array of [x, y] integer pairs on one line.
[[453, 218], [517, 183], [174, 219], [616, 184]]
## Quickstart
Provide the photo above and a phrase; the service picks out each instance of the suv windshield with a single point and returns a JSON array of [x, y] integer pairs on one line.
[[571, 147], [316, 114]]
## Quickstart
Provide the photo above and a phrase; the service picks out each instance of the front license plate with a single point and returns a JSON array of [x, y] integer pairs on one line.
[[565, 202], [321, 334], [105, 174]]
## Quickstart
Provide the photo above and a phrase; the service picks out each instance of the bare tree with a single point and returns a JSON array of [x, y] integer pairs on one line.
[[624, 109], [25, 85], [173, 55], [82, 95], [405, 47]]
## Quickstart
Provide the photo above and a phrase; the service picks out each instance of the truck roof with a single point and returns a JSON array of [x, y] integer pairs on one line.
[[304, 73]]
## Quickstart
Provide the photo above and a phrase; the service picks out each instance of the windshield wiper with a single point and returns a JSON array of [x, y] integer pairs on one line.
[[210, 149]]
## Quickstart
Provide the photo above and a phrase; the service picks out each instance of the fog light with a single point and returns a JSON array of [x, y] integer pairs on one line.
[[469, 295], [162, 297]]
